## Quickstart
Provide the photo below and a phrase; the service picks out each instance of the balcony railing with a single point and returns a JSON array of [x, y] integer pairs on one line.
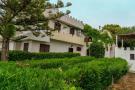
[[68, 38]]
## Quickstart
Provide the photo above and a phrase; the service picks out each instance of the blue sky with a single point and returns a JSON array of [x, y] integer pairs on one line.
[[101, 12]]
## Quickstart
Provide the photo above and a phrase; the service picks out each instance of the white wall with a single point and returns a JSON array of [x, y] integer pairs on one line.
[[34, 46], [110, 51], [57, 46], [125, 54], [65, 29], [11, 45]]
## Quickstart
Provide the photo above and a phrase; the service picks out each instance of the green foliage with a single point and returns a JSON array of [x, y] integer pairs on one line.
[[26, 15], [14, 78], [106, 37], [81, 73], [53, 55], [7, 31], [97, 50], [97, 75], [98, 35], [20, 55], [64, 63], [126, 30], [92, 32], [113, 28]]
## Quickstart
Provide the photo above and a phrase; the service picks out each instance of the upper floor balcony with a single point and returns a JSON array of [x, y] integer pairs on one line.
[[68, 38]]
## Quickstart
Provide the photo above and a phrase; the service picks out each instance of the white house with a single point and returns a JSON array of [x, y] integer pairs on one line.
[[68, 38], [126, 53]]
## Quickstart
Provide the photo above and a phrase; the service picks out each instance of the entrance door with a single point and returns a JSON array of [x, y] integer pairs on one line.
[[70, 50], [44, 48], [26, 47]]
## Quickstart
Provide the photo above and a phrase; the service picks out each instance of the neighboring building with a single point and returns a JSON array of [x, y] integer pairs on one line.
[[68, 38], [127, 53]]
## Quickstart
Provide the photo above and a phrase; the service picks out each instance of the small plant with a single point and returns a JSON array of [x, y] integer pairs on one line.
[[21, 55], [97, 50]]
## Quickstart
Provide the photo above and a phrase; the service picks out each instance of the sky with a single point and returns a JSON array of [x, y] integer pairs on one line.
[[100, 12]]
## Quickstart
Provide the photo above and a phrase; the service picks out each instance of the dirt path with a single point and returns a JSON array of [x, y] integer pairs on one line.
[[126, 83]]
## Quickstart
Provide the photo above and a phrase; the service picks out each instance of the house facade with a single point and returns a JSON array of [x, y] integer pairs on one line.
[[119, 50], [69, 37]]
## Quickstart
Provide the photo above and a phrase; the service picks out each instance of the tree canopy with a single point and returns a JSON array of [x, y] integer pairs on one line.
[[97, 35], [26, 15]]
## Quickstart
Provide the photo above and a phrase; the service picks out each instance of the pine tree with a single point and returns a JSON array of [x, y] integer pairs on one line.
[[26, 15]]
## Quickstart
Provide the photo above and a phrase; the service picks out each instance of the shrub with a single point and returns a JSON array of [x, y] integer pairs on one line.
[[20, 55], [96, 75], [97, 50], [56, 63], [14, 78], [80, 73], [53, 55]]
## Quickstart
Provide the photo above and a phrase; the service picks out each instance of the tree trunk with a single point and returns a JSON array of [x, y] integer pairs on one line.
[[5, 49]]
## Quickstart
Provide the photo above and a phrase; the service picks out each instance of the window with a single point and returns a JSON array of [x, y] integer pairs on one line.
[[131, 48], [78, 32], [78, 49], [44, 48], [72, 31], [70, 50], [132, 57], [125, 48], [57, 26], [87, 39], [26, 47]]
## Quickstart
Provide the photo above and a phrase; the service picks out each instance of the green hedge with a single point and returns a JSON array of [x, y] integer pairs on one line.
[[81, 73], [20, 55], [56, 63], [13, 78], [97, 50], [97, 75]]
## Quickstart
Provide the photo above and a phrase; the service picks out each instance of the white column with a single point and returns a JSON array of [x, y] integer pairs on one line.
[[116, 41], [122, 43]]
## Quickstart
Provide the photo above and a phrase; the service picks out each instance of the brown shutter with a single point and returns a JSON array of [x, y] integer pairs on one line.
[[72, 31], [78, 48], [26, 47], [44, 48], [57, 26], [132, 57], [70, 50]]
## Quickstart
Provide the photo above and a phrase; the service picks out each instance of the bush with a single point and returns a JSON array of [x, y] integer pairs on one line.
[[97, 50], [97, 75], [53, 55], [14, 78], [80, 73], [56, 63], [20, 55]]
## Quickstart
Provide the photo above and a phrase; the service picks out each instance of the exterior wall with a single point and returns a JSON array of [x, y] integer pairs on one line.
[[110, 51], [125, 54], [68, 38], [67, 19], [11, 45], [17, 45], [60, 41], [57, 46], [34, 46], [64, 34]]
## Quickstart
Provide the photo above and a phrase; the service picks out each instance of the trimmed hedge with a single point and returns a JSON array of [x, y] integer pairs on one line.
[[14, 78], [81, 73], [97, 75], [56, 63], [97, 50], [21, 55]]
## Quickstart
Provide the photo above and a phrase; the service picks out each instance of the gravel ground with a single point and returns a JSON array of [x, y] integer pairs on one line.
[[125, 83]]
